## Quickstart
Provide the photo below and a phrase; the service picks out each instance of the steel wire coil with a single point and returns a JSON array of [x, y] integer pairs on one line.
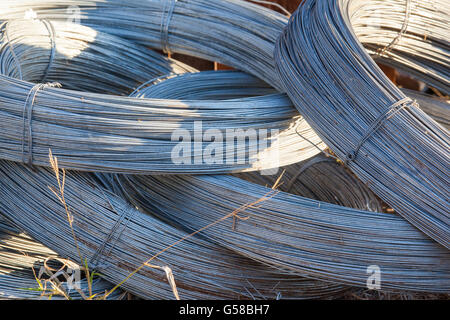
[[214, 273], [98, 132], [360, 114], [359, 279], [308, 237], [234, 32], [29, 51]]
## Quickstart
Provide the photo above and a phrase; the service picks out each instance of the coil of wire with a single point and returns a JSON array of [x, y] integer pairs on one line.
[[287, 231], [364, 118], [216, 273], [234, 32], [116, 239]]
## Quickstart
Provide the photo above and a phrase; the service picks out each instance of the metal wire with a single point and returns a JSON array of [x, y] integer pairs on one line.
[[214, 272], [435, 107], [114, 65], [289, 232], [405, 160], [415, 34], [308, 237], [98, 132], [389, 236], [237, 33], [202, 270], [206, 85], [321, 178], [20, 254]]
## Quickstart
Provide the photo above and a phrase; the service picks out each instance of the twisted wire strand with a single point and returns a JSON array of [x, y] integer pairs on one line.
[[406, 161]]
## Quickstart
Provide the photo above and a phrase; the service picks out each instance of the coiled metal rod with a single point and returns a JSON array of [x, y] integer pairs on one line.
[[405, 158], [98, 132]]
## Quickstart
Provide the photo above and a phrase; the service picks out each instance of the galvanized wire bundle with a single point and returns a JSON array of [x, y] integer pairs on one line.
[[222, 85], [393, 146], [44, 51], [286, 231], [240, 277], [304, 236], [19, 255], [320, 178], [436, 107], [234, 32], [384, 247], [116, 239], [95, 132], [98, 132]]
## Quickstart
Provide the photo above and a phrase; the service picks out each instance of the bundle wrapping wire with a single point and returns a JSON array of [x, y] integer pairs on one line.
[[99, 132], [392, 145]]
